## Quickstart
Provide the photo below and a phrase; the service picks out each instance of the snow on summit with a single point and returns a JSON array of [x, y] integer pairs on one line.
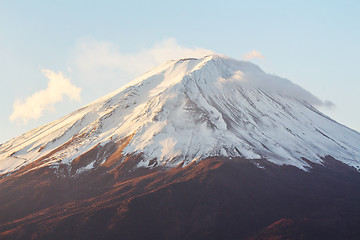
[[189, 109]]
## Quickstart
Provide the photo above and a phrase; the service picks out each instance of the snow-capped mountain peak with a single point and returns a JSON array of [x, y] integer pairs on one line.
[[189, 109]]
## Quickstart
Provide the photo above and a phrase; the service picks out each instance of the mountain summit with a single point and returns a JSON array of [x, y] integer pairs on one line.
[[197, 148], [187, 110]]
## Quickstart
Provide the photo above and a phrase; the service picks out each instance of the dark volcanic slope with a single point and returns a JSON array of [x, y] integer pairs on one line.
[[213, 199]]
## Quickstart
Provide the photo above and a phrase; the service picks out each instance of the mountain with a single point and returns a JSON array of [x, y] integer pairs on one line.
[[168, 112], [197, 148]]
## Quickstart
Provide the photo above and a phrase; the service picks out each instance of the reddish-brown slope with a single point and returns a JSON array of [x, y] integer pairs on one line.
[[214, 199]]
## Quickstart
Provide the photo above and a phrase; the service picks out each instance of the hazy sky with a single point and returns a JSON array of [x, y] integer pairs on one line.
[[56, 56]]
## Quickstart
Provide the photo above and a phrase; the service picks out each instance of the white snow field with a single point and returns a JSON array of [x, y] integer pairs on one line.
[[189, 109]]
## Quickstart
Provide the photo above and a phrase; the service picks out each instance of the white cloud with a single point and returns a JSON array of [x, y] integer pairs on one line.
[[253, 54], [271, 84], [34, 106], [103, 61]]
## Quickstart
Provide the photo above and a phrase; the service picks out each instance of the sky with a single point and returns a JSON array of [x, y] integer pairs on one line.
[[57, 56]]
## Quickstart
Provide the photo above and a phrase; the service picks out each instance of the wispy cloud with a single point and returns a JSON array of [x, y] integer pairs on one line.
[[34, 106], [328, 104], [104, 61], [253, 54]]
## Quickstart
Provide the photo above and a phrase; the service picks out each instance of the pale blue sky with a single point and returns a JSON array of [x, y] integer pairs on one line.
[[315, 44]]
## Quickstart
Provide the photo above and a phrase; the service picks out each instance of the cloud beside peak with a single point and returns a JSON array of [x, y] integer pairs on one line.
[[103, 60], [98, 65], [34, 106], [253, 54]]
